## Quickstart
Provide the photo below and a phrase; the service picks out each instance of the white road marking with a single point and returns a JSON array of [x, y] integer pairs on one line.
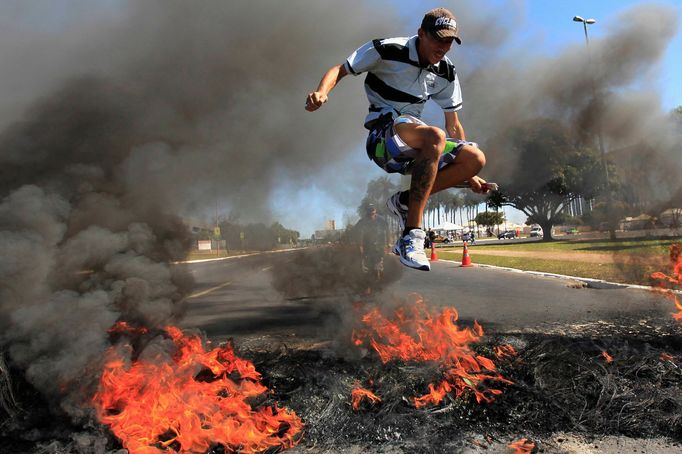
[[237, 256], [206, 292]]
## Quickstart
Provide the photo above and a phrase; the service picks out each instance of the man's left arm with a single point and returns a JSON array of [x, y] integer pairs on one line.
[[453, 127]]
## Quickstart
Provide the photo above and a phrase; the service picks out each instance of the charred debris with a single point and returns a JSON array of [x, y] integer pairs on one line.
[[624, 383]]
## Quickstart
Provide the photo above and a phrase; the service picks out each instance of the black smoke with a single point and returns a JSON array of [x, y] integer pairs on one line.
[[609, 88], [119, 120], [116, 121]]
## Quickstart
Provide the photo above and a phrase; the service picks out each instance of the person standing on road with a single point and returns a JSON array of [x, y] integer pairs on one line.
[[372, 239], [430, 238], [402, 74]]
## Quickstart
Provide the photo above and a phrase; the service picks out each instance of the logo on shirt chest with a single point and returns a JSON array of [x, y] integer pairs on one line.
[[430, 80]]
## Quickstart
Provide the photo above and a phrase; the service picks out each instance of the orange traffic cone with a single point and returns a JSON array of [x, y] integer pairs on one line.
[[434, 256], [466, 260]]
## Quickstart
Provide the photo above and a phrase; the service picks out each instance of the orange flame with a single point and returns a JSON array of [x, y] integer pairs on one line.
[[125, 327], [608, 358], [522, 446], [358, 394], [504, 351], [417, 334], [666, 356], [190, 402], [674, 279]]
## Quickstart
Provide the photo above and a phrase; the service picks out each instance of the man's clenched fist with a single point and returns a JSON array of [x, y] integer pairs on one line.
[[315, 101]]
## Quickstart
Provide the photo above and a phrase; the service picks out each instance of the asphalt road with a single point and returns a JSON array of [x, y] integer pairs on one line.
[[269, 297], [307, 300]]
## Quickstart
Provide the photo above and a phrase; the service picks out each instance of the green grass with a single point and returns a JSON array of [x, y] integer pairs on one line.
[[654, 246], [635, 259], [628, 274]]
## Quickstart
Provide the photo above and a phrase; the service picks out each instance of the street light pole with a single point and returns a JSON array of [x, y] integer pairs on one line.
[[600, 138], [585, 23]]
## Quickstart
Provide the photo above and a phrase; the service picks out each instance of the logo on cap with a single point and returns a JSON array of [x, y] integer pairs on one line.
[[446, 22]]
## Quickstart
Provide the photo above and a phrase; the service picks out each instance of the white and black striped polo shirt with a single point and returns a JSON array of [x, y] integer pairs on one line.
[[398, 84]]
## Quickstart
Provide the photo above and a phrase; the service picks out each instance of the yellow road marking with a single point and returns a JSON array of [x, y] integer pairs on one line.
[[207, 291]]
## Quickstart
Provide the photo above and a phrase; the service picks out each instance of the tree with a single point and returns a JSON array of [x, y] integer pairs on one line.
[[378, 192], [471, 201], [438, 202], [284, 235], [550, 171], [455, 203], [429, 210], [675, 218], [489, 218], [255, 236], [459, 203]]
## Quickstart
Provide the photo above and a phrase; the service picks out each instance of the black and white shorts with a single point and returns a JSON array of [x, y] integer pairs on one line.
[[388, 151]]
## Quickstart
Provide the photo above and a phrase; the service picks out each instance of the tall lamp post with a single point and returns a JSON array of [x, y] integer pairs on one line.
[[585, 22], [600, 139]]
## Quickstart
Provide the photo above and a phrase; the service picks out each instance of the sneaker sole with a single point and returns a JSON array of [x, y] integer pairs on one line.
[[410, 264]]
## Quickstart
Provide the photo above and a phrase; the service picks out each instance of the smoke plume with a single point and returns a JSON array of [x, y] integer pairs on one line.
[[118, 120], [114, 121], [608, 87]]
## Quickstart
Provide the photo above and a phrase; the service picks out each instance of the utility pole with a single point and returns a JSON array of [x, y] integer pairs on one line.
[[217, 235], [600, 138]]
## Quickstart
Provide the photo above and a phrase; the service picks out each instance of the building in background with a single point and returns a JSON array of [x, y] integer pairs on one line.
[[329, 234]]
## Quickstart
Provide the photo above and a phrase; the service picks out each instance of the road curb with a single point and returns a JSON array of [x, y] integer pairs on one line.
[[596, 283]]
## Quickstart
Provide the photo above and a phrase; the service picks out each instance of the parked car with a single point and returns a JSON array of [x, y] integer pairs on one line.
[[506, 235], [536, 231], [441, 239]]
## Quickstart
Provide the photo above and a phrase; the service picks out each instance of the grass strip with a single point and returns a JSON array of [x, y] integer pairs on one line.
[[614, 272], [653, 246]]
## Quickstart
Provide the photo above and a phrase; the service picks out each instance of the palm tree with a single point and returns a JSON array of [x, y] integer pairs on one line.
[[378, 192], [472, 202], [436, 202], [456, 203], [461, 205], [430, 208]]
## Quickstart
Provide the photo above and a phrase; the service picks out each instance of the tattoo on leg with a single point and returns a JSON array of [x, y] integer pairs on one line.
[[423, 176]]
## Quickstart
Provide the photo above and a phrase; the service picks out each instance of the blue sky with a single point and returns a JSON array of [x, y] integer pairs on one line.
[[548, 25], [552, 20]]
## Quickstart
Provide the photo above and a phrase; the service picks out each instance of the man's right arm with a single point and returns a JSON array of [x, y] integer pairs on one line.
[[332, 77]]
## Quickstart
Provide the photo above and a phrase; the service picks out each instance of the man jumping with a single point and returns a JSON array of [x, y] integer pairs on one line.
[[402, 74]]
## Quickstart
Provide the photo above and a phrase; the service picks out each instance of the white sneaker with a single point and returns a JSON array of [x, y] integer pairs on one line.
[[412, 250], [398, 209]]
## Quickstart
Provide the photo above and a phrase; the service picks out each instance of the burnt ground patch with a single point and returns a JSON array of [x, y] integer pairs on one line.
[[31, 424], [560, 384]]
